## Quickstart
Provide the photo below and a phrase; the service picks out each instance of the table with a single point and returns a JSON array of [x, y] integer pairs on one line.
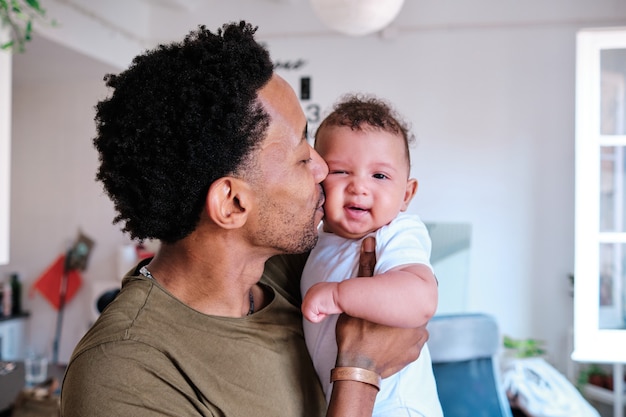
[[12, 383]]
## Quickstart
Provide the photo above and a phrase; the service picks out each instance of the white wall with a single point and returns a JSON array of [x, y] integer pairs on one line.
[[493, 110], [492, 105], [54, 194]]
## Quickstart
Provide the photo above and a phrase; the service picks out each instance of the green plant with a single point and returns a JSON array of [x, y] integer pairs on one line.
[[524, 348], [18, 16]]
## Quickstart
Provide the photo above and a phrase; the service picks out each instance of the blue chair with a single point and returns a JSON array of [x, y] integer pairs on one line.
[[463, 349]]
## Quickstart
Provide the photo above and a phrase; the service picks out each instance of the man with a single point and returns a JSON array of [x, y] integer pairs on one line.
[[203, 147]]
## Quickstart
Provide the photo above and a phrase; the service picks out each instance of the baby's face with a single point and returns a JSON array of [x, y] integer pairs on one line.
[[367, 183]]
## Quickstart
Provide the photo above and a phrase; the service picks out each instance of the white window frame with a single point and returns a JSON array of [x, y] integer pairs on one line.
[[592, 344], [6, 81]]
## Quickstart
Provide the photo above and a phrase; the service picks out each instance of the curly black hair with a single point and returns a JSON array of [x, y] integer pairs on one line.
[[363, 111], [181, 116]]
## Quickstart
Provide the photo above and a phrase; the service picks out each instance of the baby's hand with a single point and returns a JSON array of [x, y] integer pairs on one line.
[[320, 301]]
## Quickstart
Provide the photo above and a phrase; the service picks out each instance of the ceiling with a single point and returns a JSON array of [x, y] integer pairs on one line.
[[96, 37]]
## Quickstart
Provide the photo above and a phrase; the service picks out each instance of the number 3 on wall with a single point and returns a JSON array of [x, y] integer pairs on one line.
[[312, 112]]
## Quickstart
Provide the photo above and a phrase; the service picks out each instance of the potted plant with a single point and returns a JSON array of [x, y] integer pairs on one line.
[[595, 375], [17, 17]]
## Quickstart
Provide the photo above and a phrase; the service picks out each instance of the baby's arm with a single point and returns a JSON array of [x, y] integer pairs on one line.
[[405, 296]]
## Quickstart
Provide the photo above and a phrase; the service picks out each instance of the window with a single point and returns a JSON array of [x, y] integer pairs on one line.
[[600, 270]]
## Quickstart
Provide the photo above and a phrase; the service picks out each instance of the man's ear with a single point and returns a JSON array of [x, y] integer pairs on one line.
[[409, 193], [228, 202]]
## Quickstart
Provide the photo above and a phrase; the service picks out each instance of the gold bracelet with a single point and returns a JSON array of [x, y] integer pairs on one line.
[[349, 373]]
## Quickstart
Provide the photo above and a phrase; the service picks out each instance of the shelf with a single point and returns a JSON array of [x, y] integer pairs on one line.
[[593, 392], [22, 315]]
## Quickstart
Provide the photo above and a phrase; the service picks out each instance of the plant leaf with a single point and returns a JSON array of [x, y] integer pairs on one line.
[[19, 16]]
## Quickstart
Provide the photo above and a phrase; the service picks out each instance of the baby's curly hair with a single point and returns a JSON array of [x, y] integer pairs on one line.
[[363, 111], [181, 116]]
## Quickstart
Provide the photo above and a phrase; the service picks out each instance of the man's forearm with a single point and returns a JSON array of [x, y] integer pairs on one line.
[[351, 399]]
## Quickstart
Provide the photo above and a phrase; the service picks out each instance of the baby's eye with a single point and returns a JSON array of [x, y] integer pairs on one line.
[[380, 176], [337, 171]]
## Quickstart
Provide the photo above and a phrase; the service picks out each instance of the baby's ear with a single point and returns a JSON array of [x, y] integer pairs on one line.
[[411, 189], [227, 202]]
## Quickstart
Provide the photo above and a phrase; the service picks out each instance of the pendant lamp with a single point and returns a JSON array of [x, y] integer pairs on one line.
[[356, 17]]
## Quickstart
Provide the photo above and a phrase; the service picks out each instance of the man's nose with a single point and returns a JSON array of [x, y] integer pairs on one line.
[[320, 169]]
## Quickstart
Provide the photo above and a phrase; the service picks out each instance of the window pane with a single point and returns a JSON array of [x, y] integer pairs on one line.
[[612, 286], [612, 189], [613, 91]]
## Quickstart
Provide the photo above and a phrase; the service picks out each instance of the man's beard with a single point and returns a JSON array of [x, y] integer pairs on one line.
[[286, 237]]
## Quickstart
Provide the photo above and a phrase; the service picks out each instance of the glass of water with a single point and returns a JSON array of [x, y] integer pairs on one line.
[[36, 366]]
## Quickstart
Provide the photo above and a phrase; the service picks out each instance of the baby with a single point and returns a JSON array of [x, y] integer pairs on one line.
[[368, 189]]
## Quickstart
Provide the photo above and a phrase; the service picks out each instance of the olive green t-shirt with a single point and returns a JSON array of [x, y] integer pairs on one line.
[[148, 354]]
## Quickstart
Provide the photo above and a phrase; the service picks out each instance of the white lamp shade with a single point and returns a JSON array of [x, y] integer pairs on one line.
[[357, 17]]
